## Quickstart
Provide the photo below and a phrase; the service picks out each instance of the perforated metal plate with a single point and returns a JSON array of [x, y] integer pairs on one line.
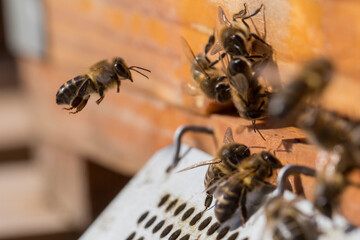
[[160, 205]]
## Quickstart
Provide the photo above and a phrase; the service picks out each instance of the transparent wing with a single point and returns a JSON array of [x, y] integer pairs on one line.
[[228, 136], [222, 17], [241, 85], [212, 161], [216, 48], [191, 56]]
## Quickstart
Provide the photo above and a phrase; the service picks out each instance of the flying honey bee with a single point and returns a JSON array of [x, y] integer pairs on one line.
[[286, 221], [101, 77], [223, 164], [207, 78], [251, 173], [248, 95], [285, 106]]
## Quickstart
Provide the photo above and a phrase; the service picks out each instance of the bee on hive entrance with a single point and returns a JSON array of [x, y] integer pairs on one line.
[[251, 173], [236, 39], [223, 164], [207, 78], [248, 95], [101, 77]]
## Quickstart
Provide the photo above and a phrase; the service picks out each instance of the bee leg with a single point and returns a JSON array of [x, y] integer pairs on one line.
[[217, 60], [117, 85], [243, 206], [69, 108], [80, 106], [257, 130], [241, 13], [101, 93]]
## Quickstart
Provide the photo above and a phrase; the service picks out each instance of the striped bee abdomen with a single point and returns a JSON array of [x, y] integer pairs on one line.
[[227, 199], [69, 90]]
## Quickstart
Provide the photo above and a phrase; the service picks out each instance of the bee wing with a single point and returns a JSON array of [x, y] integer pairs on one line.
[[216, 48], [212, 161], [190, 89], [241, 85], [228, 136], [102, 71], [99, 65], [222, 17], [191, 56]]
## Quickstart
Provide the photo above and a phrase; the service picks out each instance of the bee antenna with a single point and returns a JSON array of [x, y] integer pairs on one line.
[[147, 70], [134, 68]]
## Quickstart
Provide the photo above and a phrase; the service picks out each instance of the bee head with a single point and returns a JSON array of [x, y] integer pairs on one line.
[[271, 159], [235, 154], [121, 69]]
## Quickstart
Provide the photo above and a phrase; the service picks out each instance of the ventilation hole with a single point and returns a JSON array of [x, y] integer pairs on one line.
[[175, 235], [204, 223], [245, 238], [131, 236], [158, 226], [141, 238], [166, 231], [233, 236], [150, 222], [195, 219], [213, 228], [142, 217], [208, 201], [186, 237], [163, 200], [188, 213], [171, 205], [222, 233], [179, 209]]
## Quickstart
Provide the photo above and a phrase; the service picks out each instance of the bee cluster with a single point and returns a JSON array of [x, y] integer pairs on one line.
[[234, 172], [239, 75]]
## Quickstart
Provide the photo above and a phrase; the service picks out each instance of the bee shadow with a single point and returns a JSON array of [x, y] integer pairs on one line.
[[289, 143]]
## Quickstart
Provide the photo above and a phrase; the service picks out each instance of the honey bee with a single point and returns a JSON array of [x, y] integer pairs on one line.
[[235, 37], [223, 164], [206, 77], [310, 82], [332, 179], [101, 77], [333, 132], [286, 221], [248, 95], [251, 173], [327, 192]]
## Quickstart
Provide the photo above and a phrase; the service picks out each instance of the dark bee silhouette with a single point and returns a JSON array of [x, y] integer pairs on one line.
[[102, 76], [287, 105], [251, 173], [223, 164], [207, 78], [286, 221]]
